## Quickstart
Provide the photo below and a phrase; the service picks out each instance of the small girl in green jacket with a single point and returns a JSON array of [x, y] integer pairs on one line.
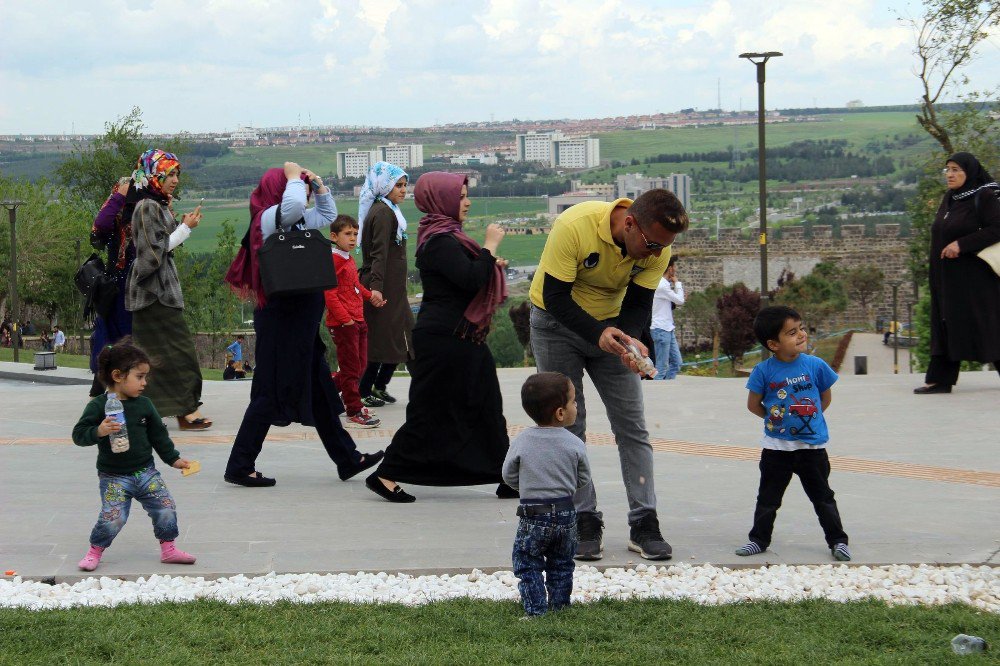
[[129, 474]]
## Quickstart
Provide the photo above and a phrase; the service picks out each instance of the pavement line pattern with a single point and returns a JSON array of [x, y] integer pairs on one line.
[[840, 463]]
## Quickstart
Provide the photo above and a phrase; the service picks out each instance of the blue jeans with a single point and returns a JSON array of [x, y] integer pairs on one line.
[[668, 353], [117, 492], [558, 349], [545, 544]]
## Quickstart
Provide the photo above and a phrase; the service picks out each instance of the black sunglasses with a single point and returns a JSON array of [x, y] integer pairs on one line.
[[651, 246]]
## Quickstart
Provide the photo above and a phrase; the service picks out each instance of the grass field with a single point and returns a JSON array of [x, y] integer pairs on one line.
[[237, 212], [27, 356], [466, 632], [857, 128]]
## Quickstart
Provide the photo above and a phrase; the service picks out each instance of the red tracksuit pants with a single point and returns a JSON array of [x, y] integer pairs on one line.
[[352, 357]]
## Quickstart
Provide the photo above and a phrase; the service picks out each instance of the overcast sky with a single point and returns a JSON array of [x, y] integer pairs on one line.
[[213, 65]]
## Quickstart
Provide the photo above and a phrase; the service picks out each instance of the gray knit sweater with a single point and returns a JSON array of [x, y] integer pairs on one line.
[[153, 276], [546, 463]]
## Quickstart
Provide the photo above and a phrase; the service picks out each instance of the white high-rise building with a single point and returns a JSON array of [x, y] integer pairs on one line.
[[554, 149], [355, 163], [406, 156], [576, 153]]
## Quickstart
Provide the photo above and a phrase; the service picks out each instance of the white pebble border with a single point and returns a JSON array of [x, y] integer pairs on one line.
[[706, 584]]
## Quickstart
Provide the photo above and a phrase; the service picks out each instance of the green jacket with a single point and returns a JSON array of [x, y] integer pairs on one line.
[[145, 433]]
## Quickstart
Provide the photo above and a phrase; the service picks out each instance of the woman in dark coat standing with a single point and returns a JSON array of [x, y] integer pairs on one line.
[[291, 381], [382, 238], [455, 433], [965, 292]]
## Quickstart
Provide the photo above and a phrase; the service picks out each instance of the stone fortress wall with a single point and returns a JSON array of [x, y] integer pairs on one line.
[[734, 257]]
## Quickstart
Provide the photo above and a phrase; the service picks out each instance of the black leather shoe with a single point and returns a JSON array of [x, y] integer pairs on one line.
[[933, 388], [258, 480], [370, 460], [397, 494]]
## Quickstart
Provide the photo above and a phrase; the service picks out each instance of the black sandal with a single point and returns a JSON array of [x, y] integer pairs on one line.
[[367, 461], [397, 494]]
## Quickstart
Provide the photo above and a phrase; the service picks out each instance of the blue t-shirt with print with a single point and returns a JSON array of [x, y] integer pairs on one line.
[[792, 397]]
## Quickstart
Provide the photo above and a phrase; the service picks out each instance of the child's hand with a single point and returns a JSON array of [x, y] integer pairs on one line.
[[180, 463], [349, 323], [108, 426]]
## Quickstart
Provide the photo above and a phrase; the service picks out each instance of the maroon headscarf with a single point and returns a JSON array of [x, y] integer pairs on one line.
[[244, 274], [439, 195]]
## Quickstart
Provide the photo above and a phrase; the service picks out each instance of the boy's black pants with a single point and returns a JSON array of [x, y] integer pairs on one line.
[[812, 466]]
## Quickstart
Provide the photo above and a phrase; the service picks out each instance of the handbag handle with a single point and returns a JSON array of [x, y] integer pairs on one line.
[[277, 221]]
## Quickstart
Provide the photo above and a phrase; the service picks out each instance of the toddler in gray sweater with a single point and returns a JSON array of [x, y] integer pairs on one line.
[[546, 464]]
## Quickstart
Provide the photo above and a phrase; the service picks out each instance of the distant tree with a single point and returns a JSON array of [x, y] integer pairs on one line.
[[520, 318], [817, 296], [737, 308], [91, 171], [863, 284], [701, 316]]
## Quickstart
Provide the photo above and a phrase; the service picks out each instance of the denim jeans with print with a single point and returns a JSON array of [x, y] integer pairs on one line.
[[545, 545], [117, 492]]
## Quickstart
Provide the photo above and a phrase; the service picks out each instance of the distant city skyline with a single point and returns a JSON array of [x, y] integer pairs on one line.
[[216, 65]]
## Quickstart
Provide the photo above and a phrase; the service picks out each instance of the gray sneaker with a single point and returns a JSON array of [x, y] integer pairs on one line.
[[590, 541], [645, 539]]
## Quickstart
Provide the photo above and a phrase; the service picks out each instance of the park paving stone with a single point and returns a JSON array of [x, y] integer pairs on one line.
[[917, 480]]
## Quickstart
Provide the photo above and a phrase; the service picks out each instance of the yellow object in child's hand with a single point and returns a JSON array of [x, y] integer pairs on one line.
[[193, 468]]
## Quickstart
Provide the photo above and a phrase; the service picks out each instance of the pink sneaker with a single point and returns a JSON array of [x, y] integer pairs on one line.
[[91, 559], [170, 554]]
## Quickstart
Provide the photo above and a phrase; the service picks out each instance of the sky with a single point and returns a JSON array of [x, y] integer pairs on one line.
[[215, 65]]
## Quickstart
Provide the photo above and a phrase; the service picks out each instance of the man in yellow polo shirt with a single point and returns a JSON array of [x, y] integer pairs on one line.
[[591, 295]]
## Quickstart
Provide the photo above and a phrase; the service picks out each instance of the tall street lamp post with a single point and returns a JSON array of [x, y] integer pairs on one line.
[[760, 61], [15, 306]]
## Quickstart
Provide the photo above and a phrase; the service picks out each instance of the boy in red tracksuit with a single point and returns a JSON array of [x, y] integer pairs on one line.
[[346, 323]]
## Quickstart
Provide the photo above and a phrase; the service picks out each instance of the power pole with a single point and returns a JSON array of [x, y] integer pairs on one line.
[[760, 61], [15, 306]]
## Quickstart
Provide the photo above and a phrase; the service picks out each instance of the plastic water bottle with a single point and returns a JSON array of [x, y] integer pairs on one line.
[[963, 644], [114, 409]]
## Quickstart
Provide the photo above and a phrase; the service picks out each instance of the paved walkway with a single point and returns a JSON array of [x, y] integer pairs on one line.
[[917, 480], [879, 357]]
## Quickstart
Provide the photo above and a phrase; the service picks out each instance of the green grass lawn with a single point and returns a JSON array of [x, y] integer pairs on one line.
[[238, 213], [463, 631]]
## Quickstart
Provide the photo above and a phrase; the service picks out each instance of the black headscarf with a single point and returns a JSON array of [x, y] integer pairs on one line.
[[975, 175]]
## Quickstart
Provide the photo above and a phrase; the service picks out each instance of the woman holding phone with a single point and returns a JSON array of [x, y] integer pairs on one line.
[[153, 294]]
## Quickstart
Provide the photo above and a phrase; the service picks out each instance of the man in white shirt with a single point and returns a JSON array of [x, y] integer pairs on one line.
[[58, 339], [669, 294]]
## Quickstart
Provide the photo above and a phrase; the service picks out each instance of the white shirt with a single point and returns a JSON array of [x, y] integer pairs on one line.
[[663, 311], [59, 339]]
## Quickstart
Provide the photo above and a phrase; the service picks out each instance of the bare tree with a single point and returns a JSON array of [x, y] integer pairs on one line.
[[947, 37]]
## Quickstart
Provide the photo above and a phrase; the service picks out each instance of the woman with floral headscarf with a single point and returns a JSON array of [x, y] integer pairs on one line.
[[382, 239], [455, 433], [965, 292], [153, 293]]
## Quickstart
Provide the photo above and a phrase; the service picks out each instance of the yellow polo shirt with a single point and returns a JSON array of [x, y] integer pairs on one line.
[[580, 250]]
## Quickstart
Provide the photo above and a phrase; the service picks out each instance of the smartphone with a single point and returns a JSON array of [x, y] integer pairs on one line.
[[315, 186]]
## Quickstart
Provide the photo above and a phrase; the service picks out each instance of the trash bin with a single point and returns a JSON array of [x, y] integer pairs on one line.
[[861, 365], [45, 360]]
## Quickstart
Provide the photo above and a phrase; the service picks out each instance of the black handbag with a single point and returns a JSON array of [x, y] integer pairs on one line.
[[99, 288], [295, 261]]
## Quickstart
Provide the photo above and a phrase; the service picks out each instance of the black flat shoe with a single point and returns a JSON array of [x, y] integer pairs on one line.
[[933, 388], [506, 492], [369, 460], [258, 480], [397, 494]]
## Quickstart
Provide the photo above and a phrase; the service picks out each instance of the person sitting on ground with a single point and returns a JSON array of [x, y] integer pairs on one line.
[[345, 320], [28, 328], [58, 339], [235, 353], [791, 392], [129, 474], [547, 464]]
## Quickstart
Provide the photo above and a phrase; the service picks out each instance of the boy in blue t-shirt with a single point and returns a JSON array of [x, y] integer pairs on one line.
[[791, 391]]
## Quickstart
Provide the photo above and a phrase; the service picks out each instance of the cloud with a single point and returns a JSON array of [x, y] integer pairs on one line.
[[212, 64]]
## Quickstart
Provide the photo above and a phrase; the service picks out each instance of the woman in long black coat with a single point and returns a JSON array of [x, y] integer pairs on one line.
[[455, 433], [965, 292]]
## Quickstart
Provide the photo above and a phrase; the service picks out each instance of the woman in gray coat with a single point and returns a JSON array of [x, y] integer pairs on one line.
[[383, 271]]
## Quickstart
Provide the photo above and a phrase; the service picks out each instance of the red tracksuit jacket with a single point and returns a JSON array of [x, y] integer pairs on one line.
[[346, 301]]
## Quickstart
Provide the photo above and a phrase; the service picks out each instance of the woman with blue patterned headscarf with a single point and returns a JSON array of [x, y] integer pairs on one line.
[[382, 239], [382, 179]]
